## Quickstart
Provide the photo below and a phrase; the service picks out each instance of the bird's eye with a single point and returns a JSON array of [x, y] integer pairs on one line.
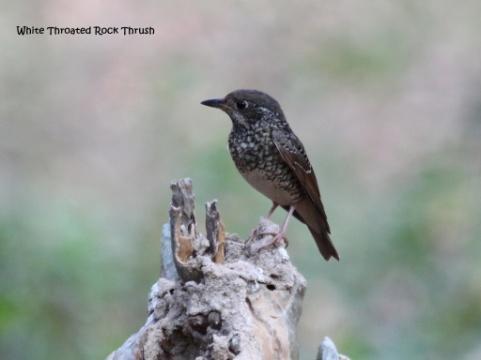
[[241, 105]]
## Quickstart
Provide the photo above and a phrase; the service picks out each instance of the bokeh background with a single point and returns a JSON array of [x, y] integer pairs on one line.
[[386, 96]]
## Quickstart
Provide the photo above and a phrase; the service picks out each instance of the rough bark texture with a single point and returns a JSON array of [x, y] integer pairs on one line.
[[216, 298]]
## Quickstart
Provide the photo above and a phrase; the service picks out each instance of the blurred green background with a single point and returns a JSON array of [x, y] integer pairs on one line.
[[386, 96]]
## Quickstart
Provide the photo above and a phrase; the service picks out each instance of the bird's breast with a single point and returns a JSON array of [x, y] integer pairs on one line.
[[259, 162], [250, 150], [274, 190]]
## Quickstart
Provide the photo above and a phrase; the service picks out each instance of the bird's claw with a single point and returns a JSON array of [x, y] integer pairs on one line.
[[278, 239]]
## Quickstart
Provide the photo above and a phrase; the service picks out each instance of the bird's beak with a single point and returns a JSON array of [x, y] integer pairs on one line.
[[215, 103]]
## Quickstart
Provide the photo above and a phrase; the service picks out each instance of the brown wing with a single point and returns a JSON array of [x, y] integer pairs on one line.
[[293, 153]]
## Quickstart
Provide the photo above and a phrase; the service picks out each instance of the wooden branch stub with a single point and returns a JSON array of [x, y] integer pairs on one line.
[[188, 245], [328, 351], [215, 231], [183, 229], [184, 199]]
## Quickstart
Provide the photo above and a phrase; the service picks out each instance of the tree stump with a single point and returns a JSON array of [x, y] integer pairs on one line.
[[217, 299]]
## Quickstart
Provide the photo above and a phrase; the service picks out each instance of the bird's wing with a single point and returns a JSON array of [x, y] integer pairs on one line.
[[293, 153]]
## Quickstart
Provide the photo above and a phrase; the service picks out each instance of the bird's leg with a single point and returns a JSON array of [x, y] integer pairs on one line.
[[278, 237], [282, 234], [271, 211], [254, 232]]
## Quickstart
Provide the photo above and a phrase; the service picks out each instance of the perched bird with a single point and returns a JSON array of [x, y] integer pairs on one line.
[[272, 159]]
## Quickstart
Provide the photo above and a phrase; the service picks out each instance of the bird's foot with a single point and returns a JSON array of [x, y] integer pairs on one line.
[[266, 239], [281, 239]]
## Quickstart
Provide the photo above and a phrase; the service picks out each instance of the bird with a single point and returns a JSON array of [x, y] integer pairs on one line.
[[273, 160]]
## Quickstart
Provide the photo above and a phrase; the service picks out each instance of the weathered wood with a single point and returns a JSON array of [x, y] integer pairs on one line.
[[214, 231], [328, 351], [184, 239], [218, 299]]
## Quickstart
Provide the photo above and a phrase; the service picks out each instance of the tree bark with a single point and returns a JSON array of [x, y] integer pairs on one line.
[[216, 298]]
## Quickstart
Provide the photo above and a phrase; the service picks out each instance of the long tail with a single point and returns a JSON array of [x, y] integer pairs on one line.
[[316, 221], [324, 244]]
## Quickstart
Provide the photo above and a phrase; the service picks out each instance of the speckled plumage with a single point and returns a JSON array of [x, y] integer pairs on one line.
[[254, 152], [272, 159]]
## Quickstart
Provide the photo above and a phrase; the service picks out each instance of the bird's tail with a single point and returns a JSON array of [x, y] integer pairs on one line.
[[324, 244], [316, 221]]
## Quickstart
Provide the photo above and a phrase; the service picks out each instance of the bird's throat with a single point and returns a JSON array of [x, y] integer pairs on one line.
[[238, 120]]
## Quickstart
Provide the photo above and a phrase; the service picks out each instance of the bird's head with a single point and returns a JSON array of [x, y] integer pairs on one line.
[[246, 107]]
